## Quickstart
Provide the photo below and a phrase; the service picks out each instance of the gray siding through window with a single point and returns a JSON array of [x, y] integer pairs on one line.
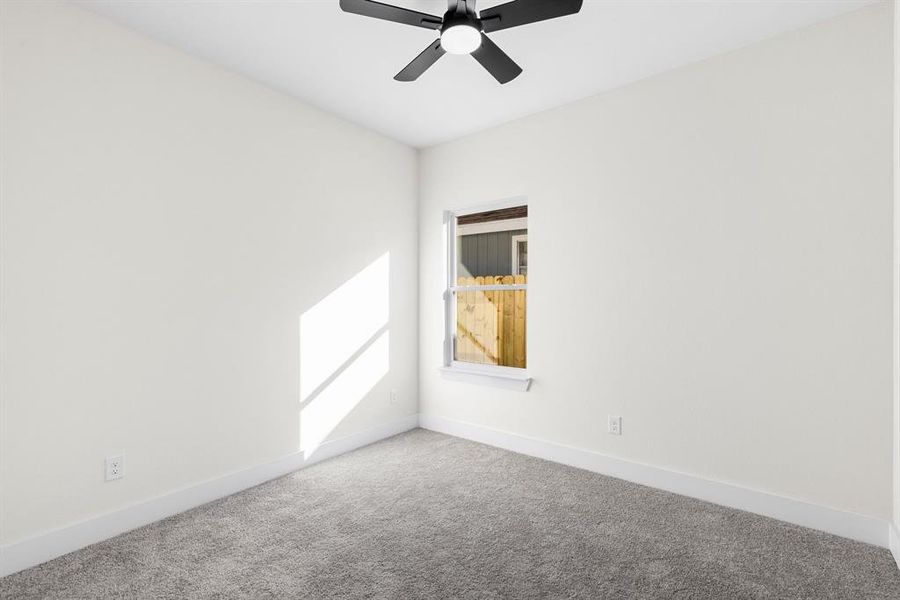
[[484, 254]]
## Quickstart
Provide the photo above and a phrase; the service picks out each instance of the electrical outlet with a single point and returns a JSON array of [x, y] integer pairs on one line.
[[395, 397], [115, 467], [614, 425]]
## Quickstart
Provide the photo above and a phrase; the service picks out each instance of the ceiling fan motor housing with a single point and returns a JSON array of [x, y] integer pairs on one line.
[[463, 14]]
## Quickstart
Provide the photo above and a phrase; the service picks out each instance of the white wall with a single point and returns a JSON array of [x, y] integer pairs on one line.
[[710, 258], [896, 6], [165, 224]]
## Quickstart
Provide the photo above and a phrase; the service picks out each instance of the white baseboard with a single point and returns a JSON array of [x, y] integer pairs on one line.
[[33, 551], [845, 524], [41, 548], [895, 543]]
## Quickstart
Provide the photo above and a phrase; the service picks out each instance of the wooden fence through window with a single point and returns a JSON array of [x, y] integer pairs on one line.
[[490, 325]]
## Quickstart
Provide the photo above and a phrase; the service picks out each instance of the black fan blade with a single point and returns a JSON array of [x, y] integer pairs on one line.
[[421, 63], [523, 12], [496, 61], [377, 10]]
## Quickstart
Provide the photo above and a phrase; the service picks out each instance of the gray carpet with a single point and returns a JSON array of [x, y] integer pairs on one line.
[[423, 515]]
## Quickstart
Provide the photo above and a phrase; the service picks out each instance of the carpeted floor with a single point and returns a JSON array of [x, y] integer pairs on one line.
[[423, 515]]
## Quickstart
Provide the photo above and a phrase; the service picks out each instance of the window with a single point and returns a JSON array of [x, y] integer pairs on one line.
[[520, 254], [487, 291]]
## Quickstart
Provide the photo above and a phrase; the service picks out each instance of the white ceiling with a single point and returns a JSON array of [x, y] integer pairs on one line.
[[345, 63]]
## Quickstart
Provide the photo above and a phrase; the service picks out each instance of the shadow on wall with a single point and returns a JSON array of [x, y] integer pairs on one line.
[[344, 351]]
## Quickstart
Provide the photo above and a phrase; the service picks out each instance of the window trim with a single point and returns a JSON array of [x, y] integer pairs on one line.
[[493, 375], [490, 375]]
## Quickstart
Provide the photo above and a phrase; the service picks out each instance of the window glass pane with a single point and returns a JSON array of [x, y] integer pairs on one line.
[[490, 326], [492, 245]]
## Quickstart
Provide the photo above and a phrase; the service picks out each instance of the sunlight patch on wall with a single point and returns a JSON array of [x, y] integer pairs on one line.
[[329, 407], [338, 326], [344, 351]]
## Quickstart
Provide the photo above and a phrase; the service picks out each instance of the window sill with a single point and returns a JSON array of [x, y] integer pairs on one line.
[[501, 377]]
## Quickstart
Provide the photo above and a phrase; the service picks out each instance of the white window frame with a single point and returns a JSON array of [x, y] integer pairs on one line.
[[515, 378], [515, 254]]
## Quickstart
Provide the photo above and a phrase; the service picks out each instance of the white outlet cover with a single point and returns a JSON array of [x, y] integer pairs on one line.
[[614, 425], [395, 396], [115, 467]]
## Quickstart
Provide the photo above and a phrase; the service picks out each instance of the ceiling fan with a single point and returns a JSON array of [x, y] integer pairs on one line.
[[462, 30]]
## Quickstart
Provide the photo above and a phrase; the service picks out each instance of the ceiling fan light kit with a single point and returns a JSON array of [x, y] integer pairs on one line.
[[460, 39], [462, 30]]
